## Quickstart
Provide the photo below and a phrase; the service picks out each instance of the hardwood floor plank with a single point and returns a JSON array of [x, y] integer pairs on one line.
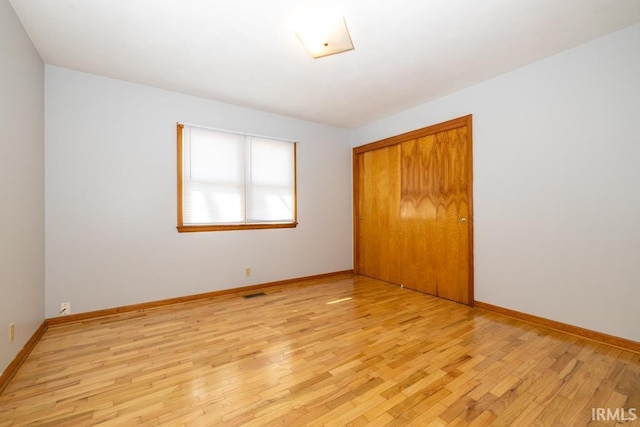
[[345, 350]]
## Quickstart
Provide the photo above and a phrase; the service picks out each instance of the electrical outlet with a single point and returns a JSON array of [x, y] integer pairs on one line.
[[65, 308], [247, 272], [12, 332]]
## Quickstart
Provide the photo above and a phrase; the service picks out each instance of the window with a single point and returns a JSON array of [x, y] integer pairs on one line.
[[232, 181]]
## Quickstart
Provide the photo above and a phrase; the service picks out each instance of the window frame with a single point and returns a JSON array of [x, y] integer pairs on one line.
[[182, 228]]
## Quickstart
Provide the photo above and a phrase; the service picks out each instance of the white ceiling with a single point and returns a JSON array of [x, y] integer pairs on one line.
[[245, 52]]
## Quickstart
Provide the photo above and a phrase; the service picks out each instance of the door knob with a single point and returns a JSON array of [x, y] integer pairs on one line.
[[463, 219]]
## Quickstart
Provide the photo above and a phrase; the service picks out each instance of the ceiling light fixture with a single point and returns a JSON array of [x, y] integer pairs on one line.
[[322, 37]]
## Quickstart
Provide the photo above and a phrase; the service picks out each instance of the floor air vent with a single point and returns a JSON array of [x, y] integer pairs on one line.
[[259, 294]]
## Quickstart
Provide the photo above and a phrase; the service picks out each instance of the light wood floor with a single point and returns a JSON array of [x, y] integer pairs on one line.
[[304, 354]]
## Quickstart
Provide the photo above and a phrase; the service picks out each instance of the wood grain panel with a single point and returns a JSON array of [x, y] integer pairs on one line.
[[434, 202], [380, 178]]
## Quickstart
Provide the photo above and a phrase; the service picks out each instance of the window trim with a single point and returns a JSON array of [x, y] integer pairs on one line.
[[182, 228]]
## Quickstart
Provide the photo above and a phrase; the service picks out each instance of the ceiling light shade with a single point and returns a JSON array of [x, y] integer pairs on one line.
[[325, 37]]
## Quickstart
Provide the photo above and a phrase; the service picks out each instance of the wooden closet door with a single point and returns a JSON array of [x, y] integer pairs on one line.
[[379, 177], [434, 212], [414, 210]]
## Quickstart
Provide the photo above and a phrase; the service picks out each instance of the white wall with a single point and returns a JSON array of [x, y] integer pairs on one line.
[[556, 183], [21, 185], [111, 198]]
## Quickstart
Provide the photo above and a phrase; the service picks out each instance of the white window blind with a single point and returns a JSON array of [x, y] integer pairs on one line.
[[231, 178]]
